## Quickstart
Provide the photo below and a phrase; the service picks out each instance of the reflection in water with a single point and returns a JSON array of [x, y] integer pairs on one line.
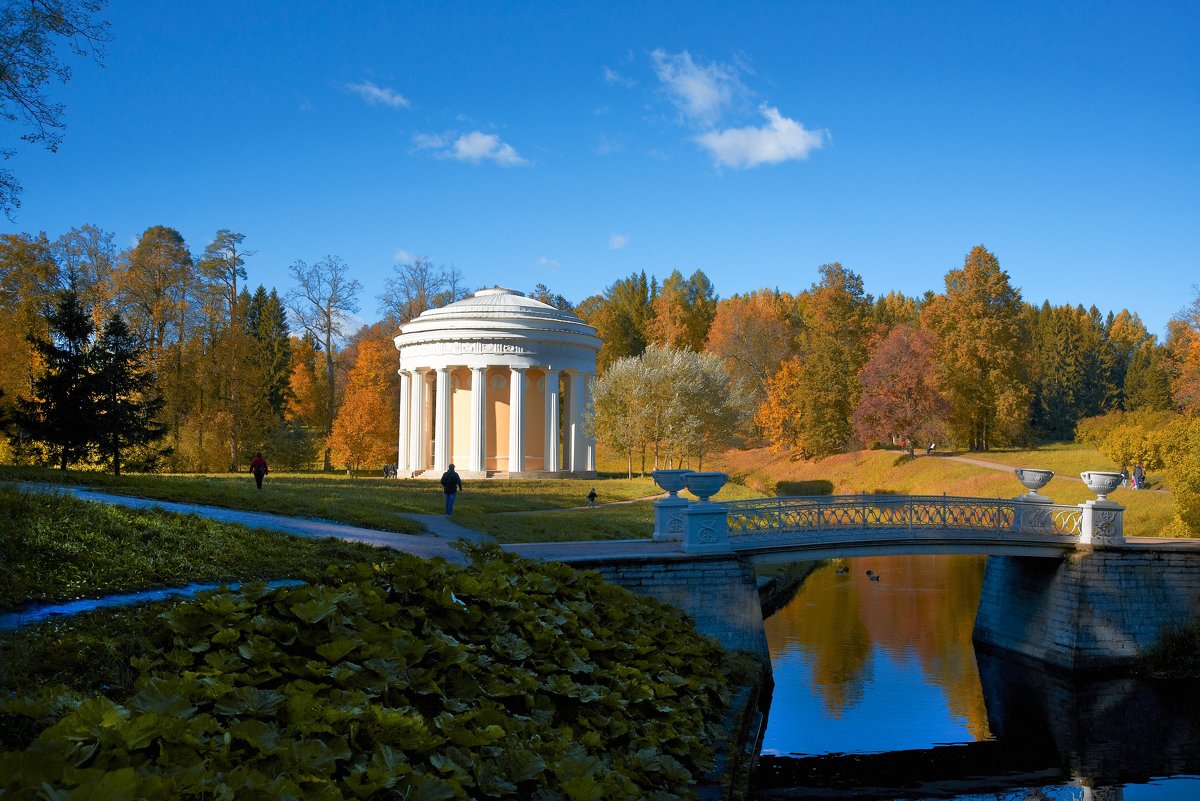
[[877, 687], [890, 660]]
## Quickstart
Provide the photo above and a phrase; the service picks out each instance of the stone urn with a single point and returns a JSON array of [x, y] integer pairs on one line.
[[671, 481], [704, 485], [1033, 478], [1101, 482]]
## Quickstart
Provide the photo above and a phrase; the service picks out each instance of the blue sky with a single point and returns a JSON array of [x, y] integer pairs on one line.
[[575, 143]]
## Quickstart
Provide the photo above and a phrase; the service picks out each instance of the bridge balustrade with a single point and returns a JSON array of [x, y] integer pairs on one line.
[[755, 519]]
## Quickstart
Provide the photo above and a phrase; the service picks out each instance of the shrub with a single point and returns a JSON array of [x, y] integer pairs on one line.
[[403, 679]]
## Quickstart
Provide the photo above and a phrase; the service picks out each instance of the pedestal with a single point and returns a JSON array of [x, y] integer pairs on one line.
[[707, 528], [1103, 523], [1033, 514], [669, 524]]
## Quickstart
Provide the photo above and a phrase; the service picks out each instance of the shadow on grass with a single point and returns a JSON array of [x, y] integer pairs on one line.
[[817, 486]]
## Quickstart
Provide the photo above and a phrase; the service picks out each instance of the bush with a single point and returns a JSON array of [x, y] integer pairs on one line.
[[406, 679]]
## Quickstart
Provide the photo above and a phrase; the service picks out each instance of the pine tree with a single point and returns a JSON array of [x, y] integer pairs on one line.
[[127, 401], [61, 414]]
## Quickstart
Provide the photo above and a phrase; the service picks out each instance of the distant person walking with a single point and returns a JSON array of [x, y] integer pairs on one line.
[[1139, 477], [451, 484], [1124, 476], [592, 497], [258, 466]]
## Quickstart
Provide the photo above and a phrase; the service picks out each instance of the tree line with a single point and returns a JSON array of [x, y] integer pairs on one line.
[[234, 369], [831, 368]]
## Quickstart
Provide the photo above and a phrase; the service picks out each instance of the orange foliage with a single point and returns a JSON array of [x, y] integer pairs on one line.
[[366, 428]]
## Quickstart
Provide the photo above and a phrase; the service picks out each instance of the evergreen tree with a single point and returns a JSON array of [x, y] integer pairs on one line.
[[266, 322], [622, 317], [127, 400], [61, 414], [1148, 379]]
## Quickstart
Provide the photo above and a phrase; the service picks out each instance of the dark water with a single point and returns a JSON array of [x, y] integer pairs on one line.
[[880, 693]]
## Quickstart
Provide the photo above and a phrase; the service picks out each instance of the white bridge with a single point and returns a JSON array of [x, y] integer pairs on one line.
[[828, 526], [822, 527]]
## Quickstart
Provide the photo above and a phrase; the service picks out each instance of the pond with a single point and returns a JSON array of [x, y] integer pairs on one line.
[[880, 693]]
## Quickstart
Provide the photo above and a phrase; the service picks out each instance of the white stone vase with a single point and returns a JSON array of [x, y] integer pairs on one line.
[[1033, 478], [704, 485], [1101, 482], [670, 481]]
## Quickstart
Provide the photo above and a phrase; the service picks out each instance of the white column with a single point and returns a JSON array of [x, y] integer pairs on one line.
[[478, 419], [516, 420], [589, 444], [441, 421], [552, 455], [402, 447], [575, 428], [416, 428]]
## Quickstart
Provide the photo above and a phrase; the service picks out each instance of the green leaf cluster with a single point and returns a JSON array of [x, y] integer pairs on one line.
[[407, 678]]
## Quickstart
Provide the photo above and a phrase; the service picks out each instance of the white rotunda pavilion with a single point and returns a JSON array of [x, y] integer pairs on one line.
[[496, 385]]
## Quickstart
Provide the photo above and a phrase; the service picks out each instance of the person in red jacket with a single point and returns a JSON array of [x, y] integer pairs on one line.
[[258, 466]]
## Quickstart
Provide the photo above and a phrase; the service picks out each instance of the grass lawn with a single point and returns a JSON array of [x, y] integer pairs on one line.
[[56, 548]]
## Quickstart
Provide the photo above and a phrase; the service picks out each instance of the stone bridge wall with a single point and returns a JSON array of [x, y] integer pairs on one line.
[[1090, 609], [720, 593]]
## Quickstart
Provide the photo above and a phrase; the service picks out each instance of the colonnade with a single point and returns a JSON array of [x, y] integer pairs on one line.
[[494, 419]]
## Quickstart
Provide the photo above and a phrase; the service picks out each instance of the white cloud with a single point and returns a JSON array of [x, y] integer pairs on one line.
[[378, 95], [617, 241], [611, 76], [781, 139], [474, 147], [701, 92], [549, 264], [402, 256]]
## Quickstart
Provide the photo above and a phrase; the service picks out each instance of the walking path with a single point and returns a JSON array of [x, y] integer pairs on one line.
[[443, 531], [1008, 468]]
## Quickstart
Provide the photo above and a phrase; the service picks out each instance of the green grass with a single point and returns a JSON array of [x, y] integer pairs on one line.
[[56, 548]]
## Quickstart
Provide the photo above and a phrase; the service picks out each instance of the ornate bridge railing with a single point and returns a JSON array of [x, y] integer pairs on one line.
[[749, 521]]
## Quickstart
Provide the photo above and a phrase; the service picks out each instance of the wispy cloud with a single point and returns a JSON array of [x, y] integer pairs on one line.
[[611, 76], [617, 241], [378, 95], [474, 147], [701, 92], [780, 139], [548, 263], [402, 256]]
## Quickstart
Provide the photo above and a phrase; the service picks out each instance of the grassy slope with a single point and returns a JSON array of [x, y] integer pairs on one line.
[[1148, 513], [56, 548]]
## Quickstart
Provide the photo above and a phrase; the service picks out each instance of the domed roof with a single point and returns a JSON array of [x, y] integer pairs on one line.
[[496, 303], [498, 326]]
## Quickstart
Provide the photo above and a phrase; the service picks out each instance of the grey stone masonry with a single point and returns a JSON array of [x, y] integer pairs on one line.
[[719, 593], [1094, 608]]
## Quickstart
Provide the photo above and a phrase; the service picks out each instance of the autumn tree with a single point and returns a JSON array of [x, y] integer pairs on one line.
[[321, 302], [752, 335], [621, 317], [28, 286], [901, 397], [223, 263], [683, 312], [1183, 347], [616, 417], [366, 429], [811, 398], [982, 362], [33, 36]]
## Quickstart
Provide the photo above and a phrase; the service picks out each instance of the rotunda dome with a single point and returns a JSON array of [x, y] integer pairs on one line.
[[498, 322]]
